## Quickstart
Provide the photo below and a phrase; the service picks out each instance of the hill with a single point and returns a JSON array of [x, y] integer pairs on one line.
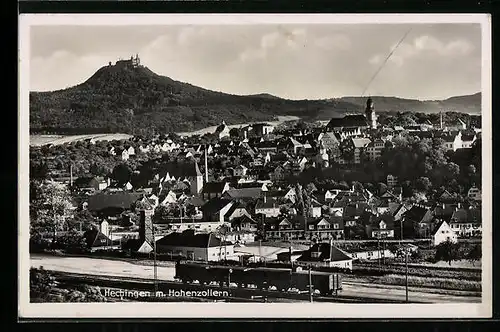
[[134, 100], [466, 104]]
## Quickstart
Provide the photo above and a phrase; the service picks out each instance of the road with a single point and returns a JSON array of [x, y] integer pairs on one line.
[[106, 267], [96, 266]]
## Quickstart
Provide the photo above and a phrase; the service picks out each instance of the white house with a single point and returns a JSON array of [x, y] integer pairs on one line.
[[196, 247], [442, 233], [452, 142], [474, 193]]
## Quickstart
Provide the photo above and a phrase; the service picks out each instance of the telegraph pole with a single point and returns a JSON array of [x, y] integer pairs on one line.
[[155, 269], [310, 286], [406, 263]]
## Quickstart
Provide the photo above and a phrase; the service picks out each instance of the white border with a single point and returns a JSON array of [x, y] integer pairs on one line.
[[236, 310]]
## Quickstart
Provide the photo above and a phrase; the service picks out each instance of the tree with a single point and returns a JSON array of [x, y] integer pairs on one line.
[[474, 254], [50, 206], [423, 184], [446, 251], [73, 241], [82, 220], [122, 174], [357, 186], [41, 284], [161, 214]]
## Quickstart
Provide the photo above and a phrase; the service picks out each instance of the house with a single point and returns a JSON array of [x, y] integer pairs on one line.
[[240, 171], [237, 210], [382, 227], [315, 209], [286, 228], [269, 207], [325, 255], [331, 143], [214, 189], [187, 169], [216, 209], [96, 240], [130, 150], [355, 148], [468, 140], [474, 193], [355, 121], [244, 193], [262, 129], [417, 222], [392, 181], [442, 233], [326, 228], [466, 222], [240, 237], [170, 198], [111, 204], [91, 183], [370, 254], [122, 153], [244, 223], [452, 141], [197, 247], [374, 148]]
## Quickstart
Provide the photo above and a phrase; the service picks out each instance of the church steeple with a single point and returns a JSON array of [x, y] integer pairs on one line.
[[371, 117]]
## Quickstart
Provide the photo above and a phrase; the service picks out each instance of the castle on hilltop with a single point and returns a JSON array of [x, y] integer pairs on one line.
[[133, 62]]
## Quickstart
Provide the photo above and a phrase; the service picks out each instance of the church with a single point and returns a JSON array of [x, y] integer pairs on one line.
[[355, 122]]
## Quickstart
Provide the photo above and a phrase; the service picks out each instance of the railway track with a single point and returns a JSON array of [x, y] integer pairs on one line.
[[232, 294]]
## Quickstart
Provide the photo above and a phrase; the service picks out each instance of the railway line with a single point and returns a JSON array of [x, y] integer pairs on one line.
[[352, 290], [235, 294]]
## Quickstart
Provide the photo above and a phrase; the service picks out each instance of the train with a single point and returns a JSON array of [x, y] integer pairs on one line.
[[264, 278]]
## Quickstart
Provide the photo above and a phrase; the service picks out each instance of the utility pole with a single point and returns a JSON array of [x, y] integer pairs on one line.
[[310, 285], [406, 263], [154, 259]]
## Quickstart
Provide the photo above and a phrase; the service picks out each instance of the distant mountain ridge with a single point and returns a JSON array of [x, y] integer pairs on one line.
[[465, 104], [133, 99]]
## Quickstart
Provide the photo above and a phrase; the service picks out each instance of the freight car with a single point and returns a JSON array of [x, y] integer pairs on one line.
[[261, 277]]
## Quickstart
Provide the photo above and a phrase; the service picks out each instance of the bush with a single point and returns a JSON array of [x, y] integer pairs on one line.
[[442, 283]]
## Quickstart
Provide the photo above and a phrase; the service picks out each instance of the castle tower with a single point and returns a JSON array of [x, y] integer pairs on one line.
[[371, 117]]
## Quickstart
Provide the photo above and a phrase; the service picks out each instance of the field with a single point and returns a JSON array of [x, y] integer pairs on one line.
[[39, 140]]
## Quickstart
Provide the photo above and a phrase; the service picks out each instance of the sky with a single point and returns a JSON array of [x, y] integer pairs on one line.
[[434, 61]]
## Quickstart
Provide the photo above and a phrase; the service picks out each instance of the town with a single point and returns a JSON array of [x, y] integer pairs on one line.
[[352, 193]]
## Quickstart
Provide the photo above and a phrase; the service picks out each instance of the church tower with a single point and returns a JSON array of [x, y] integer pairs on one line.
[[371, 117]]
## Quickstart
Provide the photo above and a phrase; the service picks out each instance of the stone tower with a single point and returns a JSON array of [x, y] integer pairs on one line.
[[146, 226], [371, 117]]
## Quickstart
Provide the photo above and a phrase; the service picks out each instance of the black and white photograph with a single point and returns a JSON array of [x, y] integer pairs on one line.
[[274, 166]]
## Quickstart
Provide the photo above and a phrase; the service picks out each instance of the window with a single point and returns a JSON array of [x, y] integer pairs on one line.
[[336, 226]]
